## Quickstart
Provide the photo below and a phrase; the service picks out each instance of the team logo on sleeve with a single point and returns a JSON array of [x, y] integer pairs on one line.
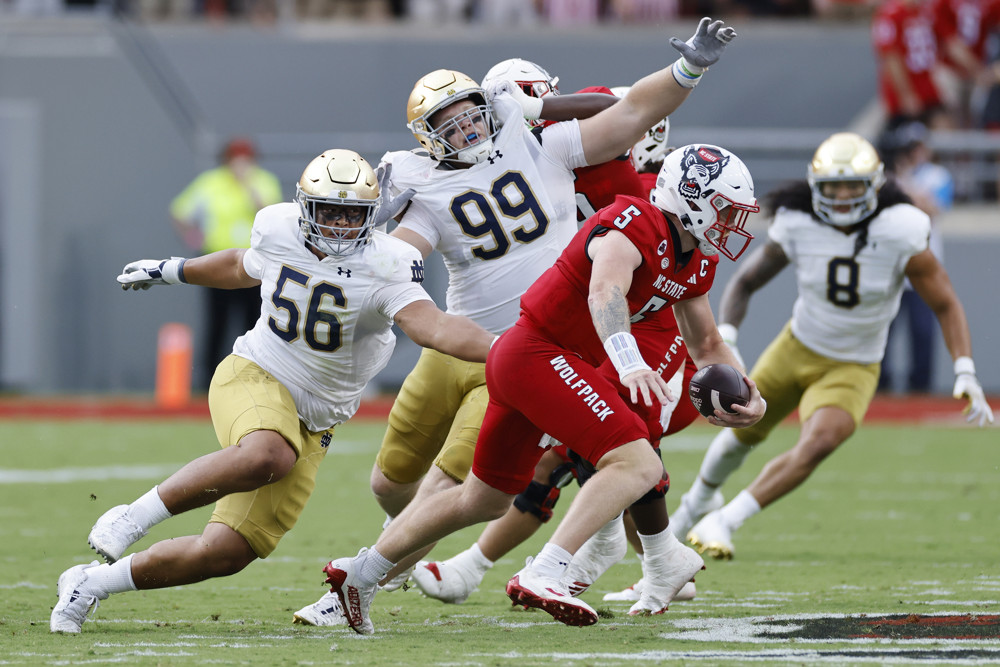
[[662, 248], [701, 165], [417, 271]]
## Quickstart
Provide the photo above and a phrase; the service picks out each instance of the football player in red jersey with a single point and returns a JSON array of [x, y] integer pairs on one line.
[[622, 270]]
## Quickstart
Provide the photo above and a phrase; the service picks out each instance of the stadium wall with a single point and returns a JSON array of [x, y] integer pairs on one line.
[[102, 123]]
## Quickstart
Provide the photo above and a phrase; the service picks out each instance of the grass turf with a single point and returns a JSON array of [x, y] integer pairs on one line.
[[901, 520]]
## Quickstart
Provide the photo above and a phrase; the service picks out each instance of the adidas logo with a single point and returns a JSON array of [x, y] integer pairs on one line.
[[693, 280]]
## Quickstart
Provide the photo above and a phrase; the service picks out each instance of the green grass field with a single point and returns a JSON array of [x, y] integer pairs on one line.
[[901, 521]]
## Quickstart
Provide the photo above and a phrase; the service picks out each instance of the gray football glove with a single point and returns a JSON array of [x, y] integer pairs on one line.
[[705, 47], [389, 206]]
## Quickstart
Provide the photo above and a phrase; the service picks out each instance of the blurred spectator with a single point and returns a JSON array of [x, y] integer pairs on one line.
[[962, 28], [643, 11], [215, 212], [906, 152], [439, 11], [509, 12], [906, 51], [570, 12]]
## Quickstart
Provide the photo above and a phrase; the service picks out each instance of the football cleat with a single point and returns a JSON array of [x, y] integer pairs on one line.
[[689, 513], [713, 536], [529, 589], [77, 602], [634, 592], [399, 581], [446, 580], [114, 532], [355, 597], [605, 548], [664, 579], [325, 612]]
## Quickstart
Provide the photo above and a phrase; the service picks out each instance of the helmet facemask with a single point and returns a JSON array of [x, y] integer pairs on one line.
[[337, 182], [434, 94], [843, 159], [711, 191]]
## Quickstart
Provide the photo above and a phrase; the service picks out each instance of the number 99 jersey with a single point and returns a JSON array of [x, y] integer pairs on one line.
[[846, 301], [500, 223]]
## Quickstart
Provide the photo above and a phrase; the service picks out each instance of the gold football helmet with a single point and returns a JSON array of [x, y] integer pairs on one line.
[[845, 159], [337, 178], [438, 90]]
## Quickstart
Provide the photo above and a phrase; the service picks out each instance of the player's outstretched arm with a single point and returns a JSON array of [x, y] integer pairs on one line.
[[454, 335], [222, 270], [931, 282], [616, 129]]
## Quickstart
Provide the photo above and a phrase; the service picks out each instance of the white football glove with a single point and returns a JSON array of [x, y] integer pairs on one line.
[[967, 386], [145, 273], [389, 206], [728, 333], [705, 47], [531, 107]]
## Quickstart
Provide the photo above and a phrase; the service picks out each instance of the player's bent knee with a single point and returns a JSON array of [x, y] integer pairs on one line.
[[540, 499]]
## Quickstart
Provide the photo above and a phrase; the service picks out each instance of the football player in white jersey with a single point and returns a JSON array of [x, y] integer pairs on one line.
[[852, 238], [496, 199], [332, 286]]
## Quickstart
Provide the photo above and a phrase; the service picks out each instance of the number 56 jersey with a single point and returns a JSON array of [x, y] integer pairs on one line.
[[498, 224], [325, 325], [847, 299]]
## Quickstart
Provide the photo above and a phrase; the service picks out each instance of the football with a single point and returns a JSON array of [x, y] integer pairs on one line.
[[718, 386]]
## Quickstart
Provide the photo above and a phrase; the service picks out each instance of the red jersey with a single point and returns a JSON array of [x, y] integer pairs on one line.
[[972, 21], [556, 304], [907, 29]]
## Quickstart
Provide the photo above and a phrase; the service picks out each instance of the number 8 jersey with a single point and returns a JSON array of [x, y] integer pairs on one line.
[[846, 301]]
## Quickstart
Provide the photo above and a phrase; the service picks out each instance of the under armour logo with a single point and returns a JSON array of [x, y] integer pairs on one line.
[[341, 271], [495, 156], [417, 270]]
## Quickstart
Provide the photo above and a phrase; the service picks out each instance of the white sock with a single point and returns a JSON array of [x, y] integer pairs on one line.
[[473, 559], [149, 509], [659, 544], [724, 455], [552, 561], [374, 567], [111, 579], [610, 530], [739, 509]]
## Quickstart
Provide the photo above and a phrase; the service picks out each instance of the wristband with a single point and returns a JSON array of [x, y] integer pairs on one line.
[[172, 270], [728, 333], [965, 365], [624, 354], [686, 74]]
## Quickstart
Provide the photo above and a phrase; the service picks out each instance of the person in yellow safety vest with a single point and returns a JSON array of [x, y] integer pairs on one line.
[[215, 212]]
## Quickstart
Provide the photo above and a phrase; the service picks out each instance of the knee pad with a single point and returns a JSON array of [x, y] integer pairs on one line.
[[657, 492], [540, 499]]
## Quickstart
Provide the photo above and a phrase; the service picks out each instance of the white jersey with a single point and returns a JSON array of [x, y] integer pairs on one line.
[[325, 326], [846, 303], [499, 224]]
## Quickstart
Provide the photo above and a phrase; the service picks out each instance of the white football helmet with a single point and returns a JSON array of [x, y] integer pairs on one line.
[[845, 157], [442, 88], [652, 148], [530, 77], [337, 178], [711, 191]]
